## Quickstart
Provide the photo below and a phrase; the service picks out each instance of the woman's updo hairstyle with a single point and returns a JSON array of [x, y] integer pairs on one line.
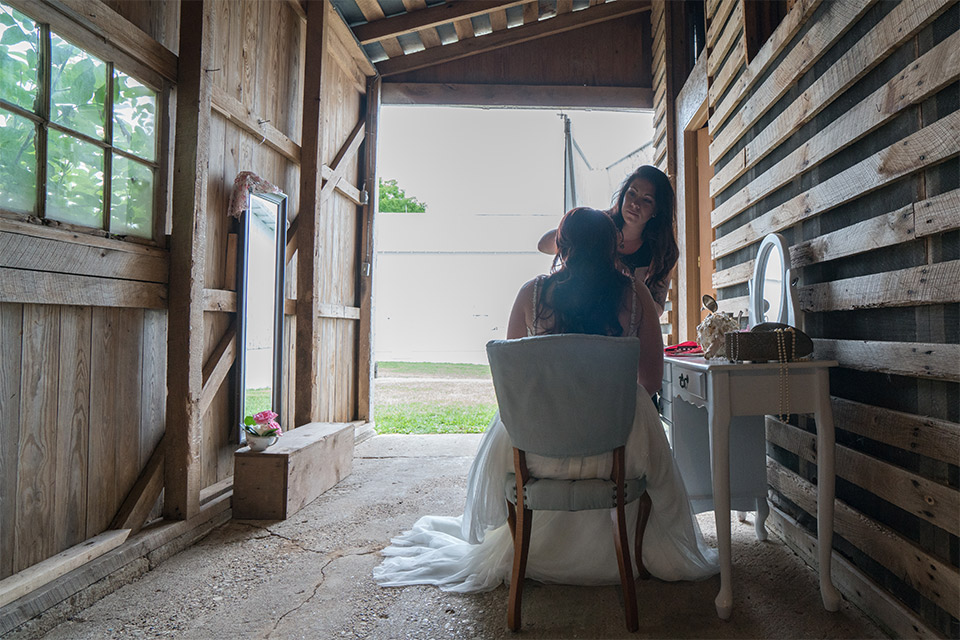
[[585, 290]]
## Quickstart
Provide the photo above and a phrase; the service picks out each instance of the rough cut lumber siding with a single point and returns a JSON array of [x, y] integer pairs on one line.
[[842, 134]]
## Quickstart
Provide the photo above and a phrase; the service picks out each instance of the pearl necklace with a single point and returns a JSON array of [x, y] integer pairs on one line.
[[783, 357]]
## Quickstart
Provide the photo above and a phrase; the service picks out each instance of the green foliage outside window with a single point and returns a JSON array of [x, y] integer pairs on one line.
[[393, 199], [100, 148]]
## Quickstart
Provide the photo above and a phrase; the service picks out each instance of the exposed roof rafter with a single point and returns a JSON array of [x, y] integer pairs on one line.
[[404, 23]]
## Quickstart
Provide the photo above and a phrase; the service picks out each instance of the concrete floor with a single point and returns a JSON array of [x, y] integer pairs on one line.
[[309, 576]]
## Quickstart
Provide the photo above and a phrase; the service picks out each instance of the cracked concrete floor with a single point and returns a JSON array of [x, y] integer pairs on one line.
[[309, 576]]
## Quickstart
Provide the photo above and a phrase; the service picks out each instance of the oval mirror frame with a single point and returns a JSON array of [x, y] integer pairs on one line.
[[786, 311]]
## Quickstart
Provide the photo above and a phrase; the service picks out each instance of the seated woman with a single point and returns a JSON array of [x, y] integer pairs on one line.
[[586, 293]]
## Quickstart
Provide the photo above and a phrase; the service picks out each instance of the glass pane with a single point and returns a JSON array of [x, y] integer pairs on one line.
[[78, 84], [131, 204], [74, 180], [134, 116], [18, 163], [19, 58]]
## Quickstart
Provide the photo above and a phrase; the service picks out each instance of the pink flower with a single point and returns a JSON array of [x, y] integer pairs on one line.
[[265, 417], [274, 425]]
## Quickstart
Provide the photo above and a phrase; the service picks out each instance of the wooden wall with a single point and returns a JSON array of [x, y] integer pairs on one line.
[[842, 133]]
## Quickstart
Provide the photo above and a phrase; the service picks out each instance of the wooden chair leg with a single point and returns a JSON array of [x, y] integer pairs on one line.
[[622, 543], [512, 519], [521, 546], [645, 505]]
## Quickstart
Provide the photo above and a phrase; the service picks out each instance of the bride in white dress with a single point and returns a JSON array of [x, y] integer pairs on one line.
[[474, 552]]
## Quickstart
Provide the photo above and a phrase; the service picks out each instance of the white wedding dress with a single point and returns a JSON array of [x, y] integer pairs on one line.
[[474, 552]]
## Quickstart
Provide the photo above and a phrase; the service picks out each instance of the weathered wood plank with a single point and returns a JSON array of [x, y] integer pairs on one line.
[[884, 230], [185, 355], [11, 335], [711, 8], [367, 237], [143, 495], [153, 391], [531, 30], [20, 251], [920, 79], [33, 229], [102, 500], [730, 68], [934, 579], [734, 305], [736, 274], [938, 214], [930, 437], [927, 284], [781, 36], [718, 20], [838, 18], [129, 373], [936, 503], [897, 619], [919, 359], [37, 456], [928, 146], [733, 29], [22, 583], [341, 162], [73, 425], [235, 111], [37, 287], [344, 187]]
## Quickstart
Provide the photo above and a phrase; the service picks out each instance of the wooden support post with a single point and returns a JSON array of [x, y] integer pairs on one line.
[[367, 260], [185, 353], [306, 396]]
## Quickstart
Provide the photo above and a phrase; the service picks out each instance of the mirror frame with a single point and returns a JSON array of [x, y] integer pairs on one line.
[[786, 314], [243, 249]]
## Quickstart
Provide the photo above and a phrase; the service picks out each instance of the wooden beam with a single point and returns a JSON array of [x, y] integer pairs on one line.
[[428, 35], [934, 143], [343, 186], [235, 111], [217, 366], [938, 214], [928, 500], [373, 12], [922, 435], [143, 495], [38, 287], [367, 255], [717, 21], [306, 226], [220, 300], [915, 359], [500, 39], [341, 161], [729, 35], [298, 9], [917, 80], [182, 472], [558, 96], [34, 577], [928, 284], [326, 310], [932, 578]]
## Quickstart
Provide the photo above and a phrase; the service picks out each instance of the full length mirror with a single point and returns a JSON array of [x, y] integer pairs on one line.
[[260, 296]]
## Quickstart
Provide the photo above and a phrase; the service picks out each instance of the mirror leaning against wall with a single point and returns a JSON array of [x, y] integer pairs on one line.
[[260, 297], [773, 291]]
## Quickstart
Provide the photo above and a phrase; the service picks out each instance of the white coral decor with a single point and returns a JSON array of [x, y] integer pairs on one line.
[[710, 334]]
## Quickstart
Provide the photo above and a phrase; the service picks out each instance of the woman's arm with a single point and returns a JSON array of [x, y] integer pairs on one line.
[[522, 312], [650, 367], [548, 243], [658, 290]]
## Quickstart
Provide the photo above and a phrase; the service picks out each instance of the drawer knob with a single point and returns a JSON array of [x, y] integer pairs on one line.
[[684, 380]]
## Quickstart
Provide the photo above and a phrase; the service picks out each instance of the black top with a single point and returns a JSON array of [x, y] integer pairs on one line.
[[639, 258]]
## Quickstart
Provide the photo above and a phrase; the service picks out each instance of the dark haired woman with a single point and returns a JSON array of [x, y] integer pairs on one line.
[[644, 215], [586, 293]]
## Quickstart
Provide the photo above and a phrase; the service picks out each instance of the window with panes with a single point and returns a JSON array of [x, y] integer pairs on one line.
[[78, 136]]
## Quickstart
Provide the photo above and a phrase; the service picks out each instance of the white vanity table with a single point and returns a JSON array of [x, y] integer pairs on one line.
[[714, 410]]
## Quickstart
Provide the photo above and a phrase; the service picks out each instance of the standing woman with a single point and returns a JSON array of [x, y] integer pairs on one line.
[[644, 214]]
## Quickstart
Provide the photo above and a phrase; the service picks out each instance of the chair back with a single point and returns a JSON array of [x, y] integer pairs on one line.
[[566, 394]]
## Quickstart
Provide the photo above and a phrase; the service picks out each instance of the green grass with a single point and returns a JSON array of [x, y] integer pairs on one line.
[[418, 417], [432, 370], [257, 400]]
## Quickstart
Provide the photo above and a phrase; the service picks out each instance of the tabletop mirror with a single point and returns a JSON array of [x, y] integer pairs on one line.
[[260, 297], [773, 292]]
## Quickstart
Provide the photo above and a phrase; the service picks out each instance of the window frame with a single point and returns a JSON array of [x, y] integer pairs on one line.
[[115, 59]]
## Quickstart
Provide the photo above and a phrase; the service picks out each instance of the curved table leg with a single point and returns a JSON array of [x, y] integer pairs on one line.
[[763, 510], [825, 491], [720, 467]]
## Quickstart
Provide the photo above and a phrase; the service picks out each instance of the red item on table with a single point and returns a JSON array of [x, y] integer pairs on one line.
[[688, 348]]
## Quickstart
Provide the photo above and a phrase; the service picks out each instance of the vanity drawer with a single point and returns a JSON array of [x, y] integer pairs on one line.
[[690, 383]]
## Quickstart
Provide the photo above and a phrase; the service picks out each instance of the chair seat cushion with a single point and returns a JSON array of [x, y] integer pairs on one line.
[[546, 494]]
